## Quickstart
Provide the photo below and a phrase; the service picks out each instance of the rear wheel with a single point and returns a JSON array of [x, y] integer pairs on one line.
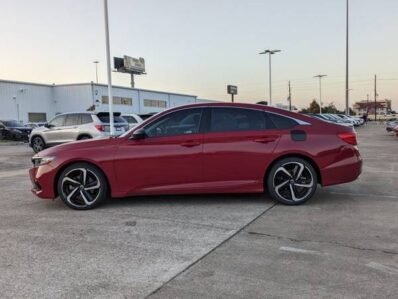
[[82, 186], [292, 181], [38, 144], [84, 137]]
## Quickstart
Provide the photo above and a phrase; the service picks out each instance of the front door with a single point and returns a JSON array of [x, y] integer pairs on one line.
[[168, 160]]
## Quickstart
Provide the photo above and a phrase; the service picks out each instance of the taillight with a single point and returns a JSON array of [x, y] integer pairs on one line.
[[349, 137], [100, 128]]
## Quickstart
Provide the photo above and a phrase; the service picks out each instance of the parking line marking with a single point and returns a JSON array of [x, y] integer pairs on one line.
[[362, 194], [298, 250], [382, 268]]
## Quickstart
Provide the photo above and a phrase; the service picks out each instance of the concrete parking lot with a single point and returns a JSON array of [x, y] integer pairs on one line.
[[342, 243]]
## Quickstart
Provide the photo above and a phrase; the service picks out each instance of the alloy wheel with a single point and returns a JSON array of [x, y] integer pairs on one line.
[[81, 187], [37, 144], [293, 181]]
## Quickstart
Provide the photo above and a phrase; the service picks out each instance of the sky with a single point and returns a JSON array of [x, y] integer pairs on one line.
[[199, 46]]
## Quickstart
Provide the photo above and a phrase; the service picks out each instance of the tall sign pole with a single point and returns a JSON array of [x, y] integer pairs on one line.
[[347, 91], [109, 72], [290, 98], [232, 90]]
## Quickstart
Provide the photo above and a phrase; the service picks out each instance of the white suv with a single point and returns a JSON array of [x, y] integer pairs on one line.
[[69, 127], [132, 119]]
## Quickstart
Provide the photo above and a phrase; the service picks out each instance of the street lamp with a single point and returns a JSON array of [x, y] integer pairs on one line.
[[109, 73], [270, 52], [320, 91], [96, 70]]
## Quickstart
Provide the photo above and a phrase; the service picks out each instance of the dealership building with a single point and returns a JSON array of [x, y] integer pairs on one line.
[[32, 102]]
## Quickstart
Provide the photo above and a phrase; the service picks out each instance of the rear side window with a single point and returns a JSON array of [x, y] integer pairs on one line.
[[236, 119], [116, 119], [282, 122], [130, 119], [85, 119], [72, 120]]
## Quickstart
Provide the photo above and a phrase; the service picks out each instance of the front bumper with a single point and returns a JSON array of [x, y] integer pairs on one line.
[[42, 179]]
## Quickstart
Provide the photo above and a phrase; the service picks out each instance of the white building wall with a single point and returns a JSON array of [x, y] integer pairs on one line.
[[72, 98], [54, 99], [29, 98]]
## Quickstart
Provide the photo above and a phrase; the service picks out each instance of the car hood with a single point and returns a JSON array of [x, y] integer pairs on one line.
[[78, 145]]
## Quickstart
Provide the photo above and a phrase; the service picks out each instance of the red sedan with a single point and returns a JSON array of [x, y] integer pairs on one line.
[[203, 148]]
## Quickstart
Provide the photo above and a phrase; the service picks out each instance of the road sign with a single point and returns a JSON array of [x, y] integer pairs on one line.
[[232, 89]]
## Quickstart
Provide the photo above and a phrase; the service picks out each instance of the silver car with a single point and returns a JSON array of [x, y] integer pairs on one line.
[[69, 127], [132, 119]]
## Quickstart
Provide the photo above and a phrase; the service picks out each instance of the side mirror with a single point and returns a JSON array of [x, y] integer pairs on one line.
[[48, 126], [138, 135]]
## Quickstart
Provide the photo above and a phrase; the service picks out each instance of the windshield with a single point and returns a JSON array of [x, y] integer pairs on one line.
[[12, 123]]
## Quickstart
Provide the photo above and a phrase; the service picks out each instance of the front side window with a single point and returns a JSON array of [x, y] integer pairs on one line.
[[72, 120], [177, 123], [58, 121], [236, 119]]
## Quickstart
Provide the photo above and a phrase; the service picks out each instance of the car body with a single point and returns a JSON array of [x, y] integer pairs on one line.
[[34, 125], [390, 126], [339, 120], [132, 119], [69, 127], [203, 148], [396, 130], [13, 130]]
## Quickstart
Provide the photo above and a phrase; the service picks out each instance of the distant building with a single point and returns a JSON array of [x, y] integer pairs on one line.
[[32, 102], [369, 107]]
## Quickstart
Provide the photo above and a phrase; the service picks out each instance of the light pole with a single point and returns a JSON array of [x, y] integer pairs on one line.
[[96, 70], [270, 52], [109, 73], [347, 91], [320, 91]]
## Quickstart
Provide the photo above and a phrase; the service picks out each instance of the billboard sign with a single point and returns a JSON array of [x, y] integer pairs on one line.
[[134, 65]]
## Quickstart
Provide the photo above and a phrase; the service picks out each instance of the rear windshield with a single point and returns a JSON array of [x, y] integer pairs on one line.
[[116, 119]]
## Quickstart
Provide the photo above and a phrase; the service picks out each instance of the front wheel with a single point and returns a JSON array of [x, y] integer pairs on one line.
[[38, 144], [292, 181], [82, 186]]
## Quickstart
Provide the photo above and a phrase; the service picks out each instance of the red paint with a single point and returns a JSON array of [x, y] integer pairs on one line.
[[229, 162]]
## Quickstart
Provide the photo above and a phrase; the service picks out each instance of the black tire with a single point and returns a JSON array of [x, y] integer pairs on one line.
[[80, 194], [84, 137], [292, 181], [38, 144]]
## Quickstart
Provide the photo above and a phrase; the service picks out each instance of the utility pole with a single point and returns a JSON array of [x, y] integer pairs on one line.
[[96, 70], [290, 98], [347, 91], [367, 104], [375, 99], [320, 91]]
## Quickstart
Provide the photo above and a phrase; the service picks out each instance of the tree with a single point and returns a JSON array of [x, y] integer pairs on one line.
[[313, 108]]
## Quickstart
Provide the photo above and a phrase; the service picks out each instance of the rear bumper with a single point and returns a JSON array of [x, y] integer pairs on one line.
[[42, 179], [347, 168]]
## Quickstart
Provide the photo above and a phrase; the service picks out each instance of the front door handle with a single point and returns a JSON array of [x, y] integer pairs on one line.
[[190, 143], [266, 139]]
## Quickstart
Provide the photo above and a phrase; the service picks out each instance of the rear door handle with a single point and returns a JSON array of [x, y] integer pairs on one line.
[[266, 139], [190, 143]]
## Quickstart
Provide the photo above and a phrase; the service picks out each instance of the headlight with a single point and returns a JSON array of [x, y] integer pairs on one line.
[[38, 161]]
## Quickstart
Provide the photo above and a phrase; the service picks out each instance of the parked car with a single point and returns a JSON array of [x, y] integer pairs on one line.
[[203, 148], [34, 125], [69, 127], [339, 120], [145, 116], [390, 126], [355, 122], [13, 130], [329, 119], [132, 119], [396, 130]]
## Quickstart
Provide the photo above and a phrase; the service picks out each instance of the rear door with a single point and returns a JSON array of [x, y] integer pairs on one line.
[[237, 148]]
